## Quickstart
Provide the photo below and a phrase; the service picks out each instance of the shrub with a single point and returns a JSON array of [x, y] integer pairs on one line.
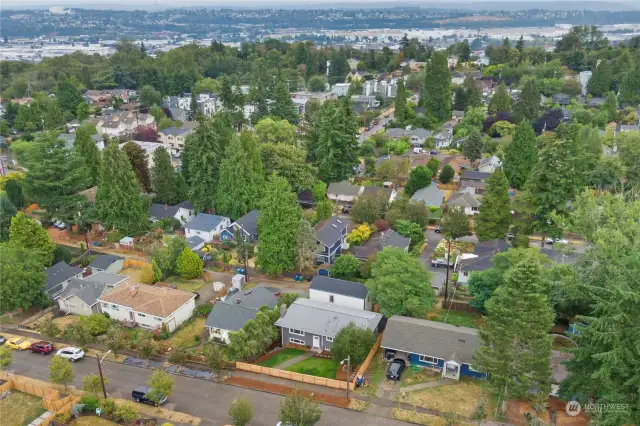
[[346, 266], [203, 310], [63, 418], [359, 235], [62, 253], [447, 174], [188, 264], [146, 275], [97, 324], [91, 402], [114, 237], [178, 356], [353, 341], [410, 230], [108, 407], [381, 225], [126, 412]]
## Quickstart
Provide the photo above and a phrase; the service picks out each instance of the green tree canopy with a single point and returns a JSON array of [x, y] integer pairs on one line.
[[446, 174], [337, 151], [188, 264], [494, 219], [300, 410], [28, 234], [88, 151], [500, 101], [346, 267], [520, 155], [7, 212], [354, 342], [140, 163], [164, 179], [22, 279], [419, 178], [436, 92]]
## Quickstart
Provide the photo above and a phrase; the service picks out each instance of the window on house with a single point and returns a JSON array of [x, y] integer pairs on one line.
[[157, 318], [473, 369], [331, 298], [105, 305], [296, 341], [428, 359], [115, 307], [465, 273], [329, 339], [296, 332], [141, 315], [474, 209]]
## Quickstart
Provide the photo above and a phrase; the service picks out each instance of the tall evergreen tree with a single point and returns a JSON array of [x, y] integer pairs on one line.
[[436, 92], [193, 106], [22, 279], [278, 225], [241, 178], [630, 85], [500, 101], [521, 155], [461, 99], [611, 106], [400, 103], [53, 118], [56, 175], [419, 178], [140, 163], [472, 147], [337, 151], [600, 81], [206, 146], [258, 91], [68, 94], [474, 94], [164, 179], [88, 151], [28, 234], [7, 211], [520, 44], [13, 190], [515, 342], [283, 106], [495, 209], [306, 247], [118, 203], [528, 106]]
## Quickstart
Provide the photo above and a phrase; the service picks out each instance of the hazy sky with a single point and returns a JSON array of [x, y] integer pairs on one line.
[[267, 4]]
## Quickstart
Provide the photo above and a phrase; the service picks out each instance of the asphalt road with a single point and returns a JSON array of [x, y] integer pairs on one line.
[[200, 398], [375, 128], [438, 274]]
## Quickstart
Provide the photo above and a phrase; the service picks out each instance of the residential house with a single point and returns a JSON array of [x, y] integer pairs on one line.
[[247, 225], [386, 87], [175, 137], [467, 201], [379, 241], [443, 139], [148, 306], [58, 276], [388, 194], [183, 212], [443, 347], [107, 263], [195, 243], [416, 137], [416, 66], [473, 187], [116, 123], [210, 106], [456, 116], [206, 226], [178, 114], [178, 102], [319, 97], [341, 292], [80, 297], [354, 76], [457, 78], [475, 176], [430, 196], [231, 314], [480, 259], [621, 128], [315, 324], [561, 99], [340, 89], [452, 61], [353, 64], [332, 236], [369, 101], [489, 165], [343, 192]]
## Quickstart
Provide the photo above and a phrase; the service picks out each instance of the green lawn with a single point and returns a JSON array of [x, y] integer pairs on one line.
[[185, 336], [184, 284], [20, 409], [416, 375], [463, 319], [375, 374], [282, 356], [320, 367]]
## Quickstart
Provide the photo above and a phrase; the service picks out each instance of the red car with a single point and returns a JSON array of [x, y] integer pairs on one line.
[[44, 348]]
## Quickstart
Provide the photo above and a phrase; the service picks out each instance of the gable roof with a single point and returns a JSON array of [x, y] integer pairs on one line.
[[165, 211], [59, 273], [204, 222], [331, 231], [325, 319], [249, 222], [391, 238], [484, 252], [473, 175], [430, 195], [103, 261], [148, 299], [463, 199], [430, 338], [90, 289], [343, 188], [233, 313], [343, 287], [373, 191], [194, 241]]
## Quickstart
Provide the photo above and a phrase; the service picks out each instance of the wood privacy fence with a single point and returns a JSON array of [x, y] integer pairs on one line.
[[135, 264], [368, 359], [297, 377], [459, 307]]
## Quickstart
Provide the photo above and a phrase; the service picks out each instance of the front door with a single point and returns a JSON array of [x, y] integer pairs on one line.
[[131, 316], [316, 341]]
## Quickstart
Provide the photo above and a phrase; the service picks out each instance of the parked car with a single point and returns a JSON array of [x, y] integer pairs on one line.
[[433, 152], [436, 263], [44, 348], [140, 395], [395, 369], [2, 340], [550, 240], [19, 343], [346, 208], [71, 353], [510, 236], [438, 229], [197, 295]]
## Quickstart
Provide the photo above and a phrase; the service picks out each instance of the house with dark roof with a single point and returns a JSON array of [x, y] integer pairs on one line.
[[58, 277], [331, 236], [443, 347], [206, 226], [107, 263], [480, 260], [388, 194], [247, 225], [183, 212], [475, 176], [80, 296], [379, 241], [341, 292], [415, 136], [343, 192], [561, 99], [315, 324], [231, 314]]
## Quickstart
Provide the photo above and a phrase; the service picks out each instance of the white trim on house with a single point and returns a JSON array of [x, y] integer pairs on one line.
[[296, 332], [423, 358], [297, 341]]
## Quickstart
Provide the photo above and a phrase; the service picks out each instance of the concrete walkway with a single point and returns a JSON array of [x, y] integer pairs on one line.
[[295, 360], [428, 385]]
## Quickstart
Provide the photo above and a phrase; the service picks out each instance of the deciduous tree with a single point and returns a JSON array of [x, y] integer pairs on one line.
[[472, 147], [161, 385], [354, 342], [346, 267], [26, 233], [446, 174], [140, 164], [298, 409], [60, 371], [241, 411], [7, 212], [306, 247], [500, 101]]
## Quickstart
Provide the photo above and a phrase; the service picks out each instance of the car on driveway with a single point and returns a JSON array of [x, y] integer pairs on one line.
[[44, 348], [436, 263], [71, 353], [438, 229], [2, 340], [19, 343], [395, 369]]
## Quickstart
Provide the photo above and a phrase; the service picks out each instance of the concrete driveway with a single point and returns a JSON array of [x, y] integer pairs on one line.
[[438, 274]]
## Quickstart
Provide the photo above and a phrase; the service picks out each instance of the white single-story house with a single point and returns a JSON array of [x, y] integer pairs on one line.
[[206, 226], [80, 297], [468, 201], [107, 263]]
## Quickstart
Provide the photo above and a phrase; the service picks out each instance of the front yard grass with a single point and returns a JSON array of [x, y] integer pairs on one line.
[[417, 418], [20, 409], [66, 321], [185, 337], [91, 421], [314, 366], [284, 355], [184, 284], [415, 375], [460, 398]]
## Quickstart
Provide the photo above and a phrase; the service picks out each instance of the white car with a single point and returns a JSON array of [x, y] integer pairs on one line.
[[71, 353], [549, 240]]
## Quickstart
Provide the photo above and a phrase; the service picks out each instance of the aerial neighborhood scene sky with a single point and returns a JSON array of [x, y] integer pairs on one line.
[[288, 214]]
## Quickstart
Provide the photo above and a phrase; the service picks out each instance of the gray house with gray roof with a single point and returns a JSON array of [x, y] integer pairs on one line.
[[430, 196], [331, 236], [231, 314], [443, 347], [58, 276], [315, 324], [80, 296]]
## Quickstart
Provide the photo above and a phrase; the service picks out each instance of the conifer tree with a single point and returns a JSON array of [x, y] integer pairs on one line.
[[495, 209], [436, 92], [140, 164], [337, 150], [528, 106], [521, 155], [88, 151], [283, 106], [164, 178], [500, 101]]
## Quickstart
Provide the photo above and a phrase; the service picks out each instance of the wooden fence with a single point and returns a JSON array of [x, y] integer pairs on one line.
[[297, 377], [135, 264], [368, 359], [459, 307]]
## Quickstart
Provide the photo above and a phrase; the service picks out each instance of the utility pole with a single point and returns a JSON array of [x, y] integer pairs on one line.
[[446, 281], [348, 362], [104, 389]]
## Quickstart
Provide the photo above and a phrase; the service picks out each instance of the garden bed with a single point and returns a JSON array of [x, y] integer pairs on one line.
[[314, 366], [416, 375], [91, 421], [278, 357], [20, 409]]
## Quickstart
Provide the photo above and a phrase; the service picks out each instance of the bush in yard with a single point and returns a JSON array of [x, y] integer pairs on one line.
[[126, 412], [63, 418], [91, 383], [446, 174], [6, 357], [214, 357], [114, 236], [97, 324], [241, 411], [353, 341], [49, 329], [108, 407], [188, 264], [359, 235], [146, 345], [410, 230], [203, 310], [62, 253], [178, 356], [91, 402], [381, 225], [346, 266], [298, 409], [146, 275], [157, 272]]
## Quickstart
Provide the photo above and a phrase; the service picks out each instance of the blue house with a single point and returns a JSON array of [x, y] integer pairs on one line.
[[331, 235], [247, 225], [442, 347]]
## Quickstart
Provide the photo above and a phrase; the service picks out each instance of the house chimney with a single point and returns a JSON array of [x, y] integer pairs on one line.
[[283, 310], [166, 207], [133, 290]]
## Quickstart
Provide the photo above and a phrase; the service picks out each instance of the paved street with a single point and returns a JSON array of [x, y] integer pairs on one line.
[[204, 399], [375, 128], [439, 274]]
